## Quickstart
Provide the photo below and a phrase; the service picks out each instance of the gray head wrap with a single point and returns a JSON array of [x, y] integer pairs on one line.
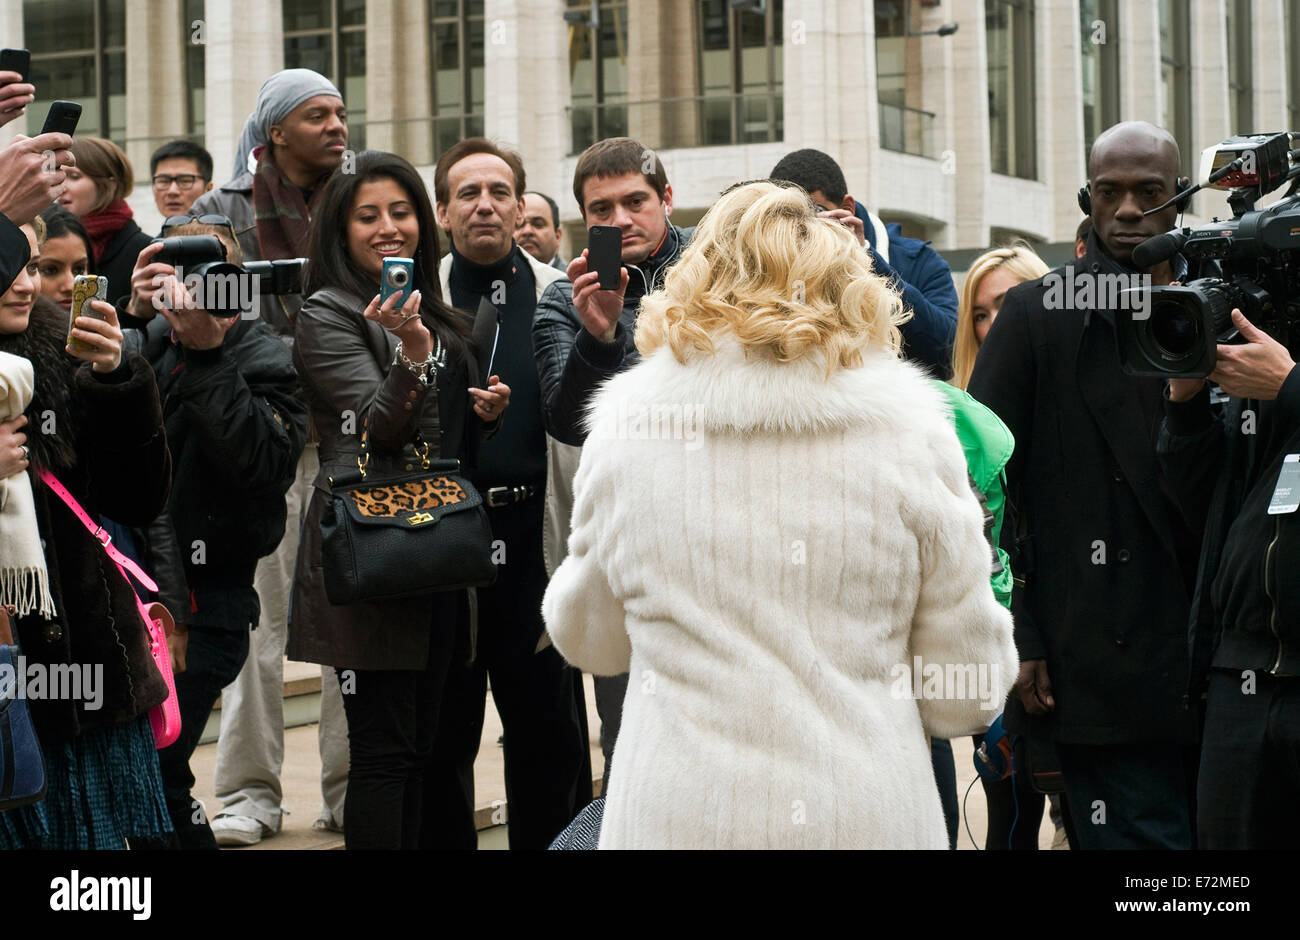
[[276, 99]]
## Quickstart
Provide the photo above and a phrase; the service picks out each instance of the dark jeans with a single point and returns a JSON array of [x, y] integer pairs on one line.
[[392, 718], [1129, 796], [945, 776], [537, 694], [1249, 788], [213, 660], [610, 692]]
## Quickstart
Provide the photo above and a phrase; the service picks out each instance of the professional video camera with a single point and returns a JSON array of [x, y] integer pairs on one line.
[[226, 290], [1251, 262]]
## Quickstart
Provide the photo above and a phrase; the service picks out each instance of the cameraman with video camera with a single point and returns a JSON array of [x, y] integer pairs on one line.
[[236, 427], [1238, 468]]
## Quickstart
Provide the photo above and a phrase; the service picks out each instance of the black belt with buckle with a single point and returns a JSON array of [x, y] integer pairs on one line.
[[499, 496]]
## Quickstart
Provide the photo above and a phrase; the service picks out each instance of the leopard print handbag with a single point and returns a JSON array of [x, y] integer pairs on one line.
[[385, 538]]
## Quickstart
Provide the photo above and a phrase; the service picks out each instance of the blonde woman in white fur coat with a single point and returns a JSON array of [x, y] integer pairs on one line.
[[773, 533]]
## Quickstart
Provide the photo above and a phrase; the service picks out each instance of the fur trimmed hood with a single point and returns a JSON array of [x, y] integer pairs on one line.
[[732, 391], [42, 343]]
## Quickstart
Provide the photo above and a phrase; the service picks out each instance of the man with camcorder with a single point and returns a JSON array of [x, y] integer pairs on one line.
[[1238, 468], [1104, 560], [235, 426]]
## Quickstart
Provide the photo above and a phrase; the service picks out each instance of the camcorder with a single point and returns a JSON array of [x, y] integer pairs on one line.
[[1251, 262], [223, 289]]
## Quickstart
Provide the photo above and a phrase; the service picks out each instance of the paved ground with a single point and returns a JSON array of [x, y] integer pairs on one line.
[[302, 787]]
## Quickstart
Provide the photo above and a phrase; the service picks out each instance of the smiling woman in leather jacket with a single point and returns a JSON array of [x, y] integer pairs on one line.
[[397, 373]]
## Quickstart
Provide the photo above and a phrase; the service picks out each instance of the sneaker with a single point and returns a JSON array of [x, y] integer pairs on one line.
[[238, 830], [326, 824]]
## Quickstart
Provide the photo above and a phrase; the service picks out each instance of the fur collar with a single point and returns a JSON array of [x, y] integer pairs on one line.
[[731, 391], [43, 344]]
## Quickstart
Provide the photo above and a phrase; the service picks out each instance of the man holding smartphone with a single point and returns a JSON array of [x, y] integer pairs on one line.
[[583, 334]]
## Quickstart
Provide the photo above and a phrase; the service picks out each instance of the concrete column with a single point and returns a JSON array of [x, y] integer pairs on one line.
[[398, 95], [526, 86], [970, 125], [1269, 67], [1139, 62], [663, 41], [156, 40], [11, 28], [1209, 64], [1062, 163], [244, 47]]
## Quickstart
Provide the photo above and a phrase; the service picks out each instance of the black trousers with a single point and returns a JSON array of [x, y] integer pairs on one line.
[[538, 696], [1249, 789], [213, 660], [392, 719], [1130, 796]]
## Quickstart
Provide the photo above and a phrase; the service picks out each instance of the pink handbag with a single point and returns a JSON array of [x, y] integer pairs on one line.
[[165, 719]]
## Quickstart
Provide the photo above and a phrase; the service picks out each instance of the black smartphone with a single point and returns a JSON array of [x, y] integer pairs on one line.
[[15, 60], [63, 118], [605, 254]]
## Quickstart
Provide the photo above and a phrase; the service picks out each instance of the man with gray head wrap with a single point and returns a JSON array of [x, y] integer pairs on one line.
[[294, 139]]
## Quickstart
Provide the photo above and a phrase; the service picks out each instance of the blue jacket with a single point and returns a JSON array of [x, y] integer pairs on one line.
[[920, 274]]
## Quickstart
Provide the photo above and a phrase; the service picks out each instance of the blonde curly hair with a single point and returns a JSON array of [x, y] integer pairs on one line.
[[765, 269]]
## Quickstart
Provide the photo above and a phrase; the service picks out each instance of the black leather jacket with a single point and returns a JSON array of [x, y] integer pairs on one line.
[[571, 363]]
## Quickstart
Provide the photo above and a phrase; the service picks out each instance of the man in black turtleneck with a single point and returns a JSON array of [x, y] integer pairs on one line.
[[479, 189]]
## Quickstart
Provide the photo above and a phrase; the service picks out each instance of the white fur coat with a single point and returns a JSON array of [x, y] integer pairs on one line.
[[768, 553]]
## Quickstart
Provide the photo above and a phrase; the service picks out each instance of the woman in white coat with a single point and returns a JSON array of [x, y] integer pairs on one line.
[[774, 534]]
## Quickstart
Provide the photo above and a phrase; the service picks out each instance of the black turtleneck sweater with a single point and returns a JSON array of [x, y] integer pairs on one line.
[[516, 454]]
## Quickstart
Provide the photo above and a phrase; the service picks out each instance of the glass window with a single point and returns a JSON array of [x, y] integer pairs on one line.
[[1009, 31], [1176, 74], [195, 71], [1240, 92], [902, 128], [456, 48], [78, 50], [740, 62], [1099, 57], [598, 73], [330, 37]]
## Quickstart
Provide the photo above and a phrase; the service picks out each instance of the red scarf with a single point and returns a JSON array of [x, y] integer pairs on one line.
[[101, 226]]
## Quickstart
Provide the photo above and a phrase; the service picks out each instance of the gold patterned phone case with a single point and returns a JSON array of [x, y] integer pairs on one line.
[[85, 287]]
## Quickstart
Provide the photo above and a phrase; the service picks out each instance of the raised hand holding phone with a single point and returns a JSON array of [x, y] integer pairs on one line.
[[15, 91], [599, 307]]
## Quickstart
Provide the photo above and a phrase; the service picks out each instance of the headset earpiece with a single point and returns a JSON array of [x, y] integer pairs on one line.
[[1085, 198], [1184, 184]]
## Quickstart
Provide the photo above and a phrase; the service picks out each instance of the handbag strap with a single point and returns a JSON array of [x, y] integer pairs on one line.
[[97, 531]]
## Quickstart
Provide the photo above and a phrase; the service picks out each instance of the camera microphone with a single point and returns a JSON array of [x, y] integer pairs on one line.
[[1158, 249]]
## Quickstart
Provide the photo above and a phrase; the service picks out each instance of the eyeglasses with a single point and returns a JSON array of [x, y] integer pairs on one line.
[[176, 221], [184, 181]]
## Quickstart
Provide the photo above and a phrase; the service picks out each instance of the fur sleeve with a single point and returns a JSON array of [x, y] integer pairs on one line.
[[584, 618], [959, 626]]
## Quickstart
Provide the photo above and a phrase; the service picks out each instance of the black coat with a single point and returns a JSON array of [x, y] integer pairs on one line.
[[571, 363], [118, 260], [346, 362], [237, 425], [14, 252], [104, 441], [1109, 560]]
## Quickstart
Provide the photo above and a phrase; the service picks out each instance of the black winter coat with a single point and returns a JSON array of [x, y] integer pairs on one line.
[[1246, 610], [347, 366], [237, 425], [571, 363], [104, 441], [1108, 562]]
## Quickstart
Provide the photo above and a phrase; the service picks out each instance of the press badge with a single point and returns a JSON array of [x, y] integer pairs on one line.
[[1286, 496]]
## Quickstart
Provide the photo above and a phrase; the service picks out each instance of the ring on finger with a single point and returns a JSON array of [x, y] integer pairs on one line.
[[26, 453]]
